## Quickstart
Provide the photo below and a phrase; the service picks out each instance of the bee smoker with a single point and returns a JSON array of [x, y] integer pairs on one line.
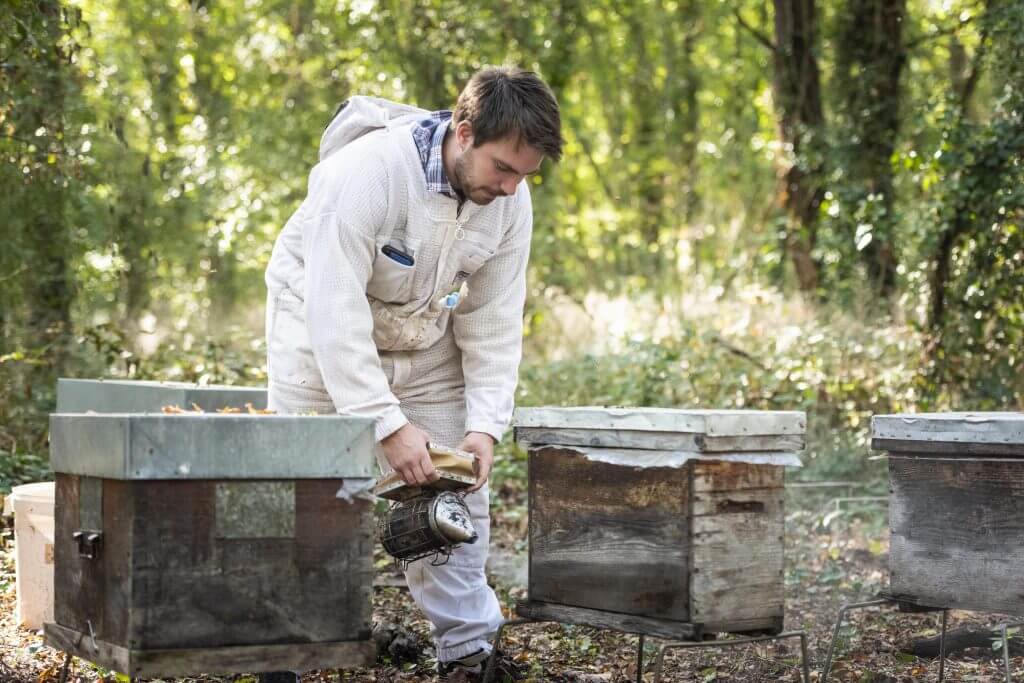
[[432, 524], [428, 521]]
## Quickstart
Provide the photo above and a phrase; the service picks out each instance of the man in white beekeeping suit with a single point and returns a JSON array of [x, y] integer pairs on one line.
[[396, 292]]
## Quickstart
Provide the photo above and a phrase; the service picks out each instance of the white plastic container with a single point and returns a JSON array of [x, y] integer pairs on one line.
[[32, 505]]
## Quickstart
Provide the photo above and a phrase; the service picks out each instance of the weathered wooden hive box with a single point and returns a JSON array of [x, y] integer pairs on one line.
[[956, 508], [212, 543], [657, 521]]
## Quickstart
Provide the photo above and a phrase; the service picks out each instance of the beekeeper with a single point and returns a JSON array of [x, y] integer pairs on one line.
[[396, 292]]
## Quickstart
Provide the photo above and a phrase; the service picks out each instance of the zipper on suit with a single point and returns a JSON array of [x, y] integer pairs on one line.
[[454, 234]]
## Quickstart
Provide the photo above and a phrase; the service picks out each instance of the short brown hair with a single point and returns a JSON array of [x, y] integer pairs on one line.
[[503, 101]]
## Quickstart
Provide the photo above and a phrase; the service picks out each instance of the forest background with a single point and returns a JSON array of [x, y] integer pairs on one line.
[[779, 205]]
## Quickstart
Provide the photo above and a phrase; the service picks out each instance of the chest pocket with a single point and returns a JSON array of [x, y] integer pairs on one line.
[[469, 254], [391, 280]]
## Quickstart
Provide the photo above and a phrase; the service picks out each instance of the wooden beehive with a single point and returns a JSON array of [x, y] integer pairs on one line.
[[956, 509], [657, 521], [212, 543]]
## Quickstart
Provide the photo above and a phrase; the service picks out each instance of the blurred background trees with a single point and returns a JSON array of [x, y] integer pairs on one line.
[[789, 204]]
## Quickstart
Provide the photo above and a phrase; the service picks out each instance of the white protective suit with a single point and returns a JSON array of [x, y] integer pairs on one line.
[[352, 331]]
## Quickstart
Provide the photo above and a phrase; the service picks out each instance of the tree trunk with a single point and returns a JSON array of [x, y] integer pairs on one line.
[[870, 60], [940, 273], [960, 222], [649, 129], [48, 288], [132, 245], [681, 95], [797, 94], [690, 123]]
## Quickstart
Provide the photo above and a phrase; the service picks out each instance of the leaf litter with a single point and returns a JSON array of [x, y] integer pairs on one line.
[[827, 566]]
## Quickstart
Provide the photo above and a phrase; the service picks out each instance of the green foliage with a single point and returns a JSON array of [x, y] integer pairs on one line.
[[24, 406], [977, 312], [839, 371], [152, 151], [19, 468], [234, 356]]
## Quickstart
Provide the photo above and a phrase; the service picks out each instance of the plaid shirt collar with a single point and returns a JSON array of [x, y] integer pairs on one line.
[[429, 134]]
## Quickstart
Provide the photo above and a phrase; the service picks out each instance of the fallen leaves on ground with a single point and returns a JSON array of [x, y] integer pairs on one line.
[[827, 565]]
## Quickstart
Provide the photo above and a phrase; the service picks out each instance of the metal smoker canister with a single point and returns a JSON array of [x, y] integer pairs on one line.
[[426, 525]]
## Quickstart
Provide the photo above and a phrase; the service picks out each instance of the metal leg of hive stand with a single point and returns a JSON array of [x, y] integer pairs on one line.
[[804, 662], [942, 647], [67, 665], [659, 663], [489, 671], [65, 669], [640, 659], [1006, 647], [839, 624]]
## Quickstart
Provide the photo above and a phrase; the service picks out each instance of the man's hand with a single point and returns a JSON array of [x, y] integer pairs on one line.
[[482, 446], [406, 452]]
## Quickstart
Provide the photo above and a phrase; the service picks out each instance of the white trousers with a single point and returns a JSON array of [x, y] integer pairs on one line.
[[455, 597]]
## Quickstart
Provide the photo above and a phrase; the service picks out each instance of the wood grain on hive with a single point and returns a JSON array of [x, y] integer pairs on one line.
[[956, 508], [677, 538], [221, 545]]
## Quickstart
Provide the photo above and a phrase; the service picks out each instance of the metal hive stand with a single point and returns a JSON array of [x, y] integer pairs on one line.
[[911, 608], [660, 657], [1006, 646]]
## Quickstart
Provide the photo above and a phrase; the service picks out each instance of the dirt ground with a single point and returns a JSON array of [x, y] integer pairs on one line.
[[835, 555]]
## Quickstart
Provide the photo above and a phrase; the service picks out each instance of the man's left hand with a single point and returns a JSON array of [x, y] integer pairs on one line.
[[482, 446]]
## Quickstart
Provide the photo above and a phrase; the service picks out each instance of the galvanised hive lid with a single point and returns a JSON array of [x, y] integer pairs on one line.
[[130, 396], [963, 433], [663, 428], [212, 446]]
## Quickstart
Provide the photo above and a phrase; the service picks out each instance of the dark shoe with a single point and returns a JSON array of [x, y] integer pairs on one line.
[[278, 677], [469, 668]]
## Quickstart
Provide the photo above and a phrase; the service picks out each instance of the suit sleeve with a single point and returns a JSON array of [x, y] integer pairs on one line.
[[488, 326]]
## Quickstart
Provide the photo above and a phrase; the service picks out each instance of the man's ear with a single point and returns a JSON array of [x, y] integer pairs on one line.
[[464, 134]]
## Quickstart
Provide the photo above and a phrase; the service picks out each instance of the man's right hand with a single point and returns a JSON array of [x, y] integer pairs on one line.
[[406, 452]]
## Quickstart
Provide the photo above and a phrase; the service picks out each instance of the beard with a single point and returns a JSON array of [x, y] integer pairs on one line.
[[463, 171]]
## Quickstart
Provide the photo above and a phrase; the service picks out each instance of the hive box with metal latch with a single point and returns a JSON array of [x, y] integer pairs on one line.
[[658, 521], [956, 509], [212, 543]]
